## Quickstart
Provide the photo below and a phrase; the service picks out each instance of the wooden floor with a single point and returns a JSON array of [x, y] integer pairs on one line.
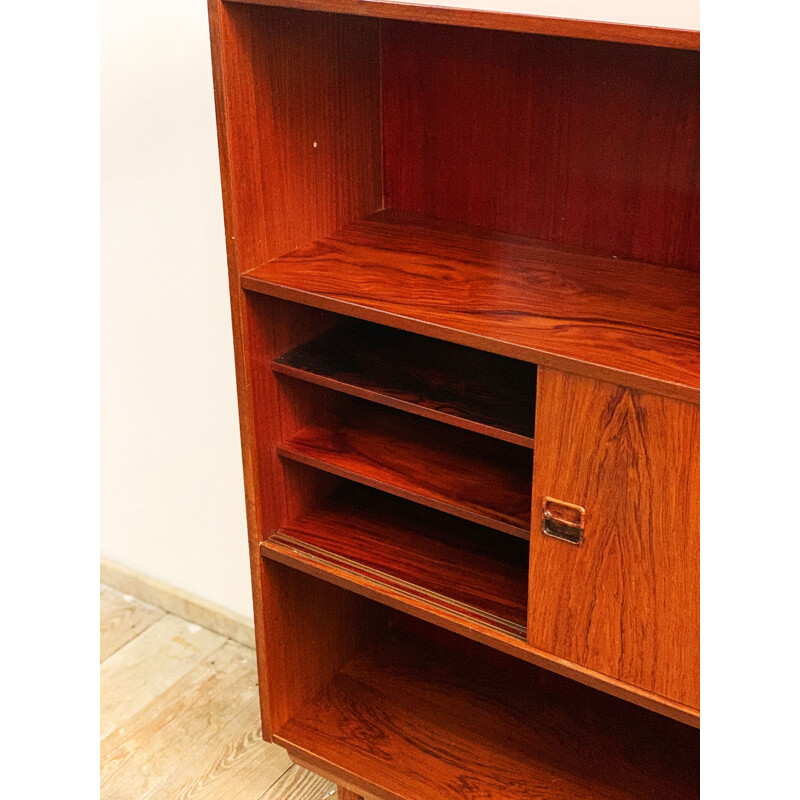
[[179, 714]]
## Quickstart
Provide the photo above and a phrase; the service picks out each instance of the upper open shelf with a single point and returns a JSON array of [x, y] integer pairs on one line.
[[629, 322], [467, 388]]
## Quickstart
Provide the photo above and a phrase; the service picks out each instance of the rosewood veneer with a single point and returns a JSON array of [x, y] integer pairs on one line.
[[463, 256]]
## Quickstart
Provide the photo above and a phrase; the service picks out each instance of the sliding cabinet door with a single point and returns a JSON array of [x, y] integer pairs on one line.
[[614, 566]]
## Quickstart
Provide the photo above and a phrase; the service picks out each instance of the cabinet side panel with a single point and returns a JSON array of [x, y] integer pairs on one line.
[[309, 129], [625, 602], [298, 113], [233, 100]]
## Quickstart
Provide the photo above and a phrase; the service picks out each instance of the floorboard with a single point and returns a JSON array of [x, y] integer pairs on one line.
[[140, 756], [148, 665], [180, 714], [122, 618], [300, 784]]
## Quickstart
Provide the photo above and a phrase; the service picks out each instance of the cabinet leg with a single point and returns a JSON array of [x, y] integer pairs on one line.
[[346, 794]]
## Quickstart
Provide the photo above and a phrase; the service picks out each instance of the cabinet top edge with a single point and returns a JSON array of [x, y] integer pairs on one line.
[[675, 38]]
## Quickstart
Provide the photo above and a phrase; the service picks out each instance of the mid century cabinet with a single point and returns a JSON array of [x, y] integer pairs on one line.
[[464, 272]]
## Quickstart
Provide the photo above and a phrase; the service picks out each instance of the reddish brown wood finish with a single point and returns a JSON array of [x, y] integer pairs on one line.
[[626, 602], [467, 388], [410, 722], [307, 150], [283, 80], [605, 137], [346, 794], [449, 617], [428, 557], [335, 625], [460, 473], [524, 23], [633, 323], [586, 144]]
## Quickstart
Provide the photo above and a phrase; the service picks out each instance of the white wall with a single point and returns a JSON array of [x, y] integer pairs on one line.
[[171, 491], [172, 496]]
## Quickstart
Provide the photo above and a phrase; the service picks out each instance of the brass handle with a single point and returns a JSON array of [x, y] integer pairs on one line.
[[562, 520]]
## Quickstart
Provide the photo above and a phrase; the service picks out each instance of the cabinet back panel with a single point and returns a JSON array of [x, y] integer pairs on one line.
[[587, 144]]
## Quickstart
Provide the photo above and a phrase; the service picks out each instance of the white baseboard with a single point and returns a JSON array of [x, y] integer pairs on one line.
[[176, 601]]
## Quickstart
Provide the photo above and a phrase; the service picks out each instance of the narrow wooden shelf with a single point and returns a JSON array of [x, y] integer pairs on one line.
[[412, 722], [369, 540], [468, 388], [628, 322], [460, 473]]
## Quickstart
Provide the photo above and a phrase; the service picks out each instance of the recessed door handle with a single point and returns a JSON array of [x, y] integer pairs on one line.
[[562, 520]]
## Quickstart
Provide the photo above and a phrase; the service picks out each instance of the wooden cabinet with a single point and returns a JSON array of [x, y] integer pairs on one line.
[[463, 262]]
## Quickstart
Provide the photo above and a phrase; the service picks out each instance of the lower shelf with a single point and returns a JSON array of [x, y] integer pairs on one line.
[[471, 476], [413, 722], [425, 558]]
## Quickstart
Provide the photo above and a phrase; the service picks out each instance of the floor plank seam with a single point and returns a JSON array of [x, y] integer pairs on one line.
[[180, 714]]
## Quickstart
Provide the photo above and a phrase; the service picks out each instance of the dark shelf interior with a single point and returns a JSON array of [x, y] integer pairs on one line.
[[466, 388], [368, 538], [418, 721], [471, 476]]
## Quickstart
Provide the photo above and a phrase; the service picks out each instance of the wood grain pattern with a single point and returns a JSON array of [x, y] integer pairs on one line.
[[300, 784], [524, 23], [191, 714], [337, 624], [138, 672], [236, 764], [122, 618], [626, 602], [312, 628], [410, 722], [436, 610], [434, 559], [583, 144], [467, 388], [635, 324], [283, 82], [301, 99], [586, 144], [459, 473], [346, 794], [199, 736]]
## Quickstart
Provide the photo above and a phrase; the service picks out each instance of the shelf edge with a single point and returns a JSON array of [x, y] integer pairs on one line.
[[486, 521], [284, 545], [374, 396], [677, 391], [500, 641]]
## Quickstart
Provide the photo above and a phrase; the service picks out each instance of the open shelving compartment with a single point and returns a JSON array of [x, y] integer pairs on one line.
[[420, 218], [422, 713], [424, 502], [603, 316]]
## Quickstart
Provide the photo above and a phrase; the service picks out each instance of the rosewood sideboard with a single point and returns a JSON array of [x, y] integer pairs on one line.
[[463, 251]]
